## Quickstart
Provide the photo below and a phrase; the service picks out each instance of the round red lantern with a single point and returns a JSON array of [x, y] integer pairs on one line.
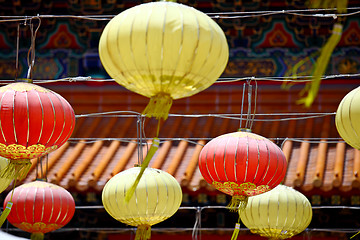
[[40, 207], [242, 164], [33, 122]]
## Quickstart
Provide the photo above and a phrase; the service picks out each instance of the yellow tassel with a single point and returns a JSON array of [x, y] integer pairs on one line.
[[5, 213], [294, 72], [143, 232], [16, 169], [159, 106], [321, 65], [37, 236], [238, 202], [144, 165]]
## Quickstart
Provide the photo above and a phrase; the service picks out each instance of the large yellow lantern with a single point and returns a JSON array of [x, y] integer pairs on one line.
[[347, 118], [164, 51], [278, 214], [157, 197]]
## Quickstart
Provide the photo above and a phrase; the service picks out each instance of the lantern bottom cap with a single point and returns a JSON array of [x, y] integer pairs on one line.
[[143, 232], [159, 106], [238, 203], [37, 236]]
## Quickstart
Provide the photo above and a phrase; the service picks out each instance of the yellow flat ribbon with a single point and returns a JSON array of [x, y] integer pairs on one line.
[[154, 147], [5, 213]]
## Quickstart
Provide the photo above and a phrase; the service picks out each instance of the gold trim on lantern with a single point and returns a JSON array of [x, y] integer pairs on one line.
[[246, 189], [16, 151], [38, 227]]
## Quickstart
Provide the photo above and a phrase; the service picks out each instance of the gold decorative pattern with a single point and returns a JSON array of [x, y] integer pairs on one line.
[[16, 151], [23, 87], [246, 189], [38, 227]]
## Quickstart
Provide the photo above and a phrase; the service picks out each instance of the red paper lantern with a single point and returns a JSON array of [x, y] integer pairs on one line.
[[33, 122], [242, 164], [40, 207]]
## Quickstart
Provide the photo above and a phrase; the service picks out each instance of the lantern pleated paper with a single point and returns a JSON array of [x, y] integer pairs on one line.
[[157, 197], [33, 122], [278, 214], [40, 207], [347, 118], [164, 51], [242, 164]]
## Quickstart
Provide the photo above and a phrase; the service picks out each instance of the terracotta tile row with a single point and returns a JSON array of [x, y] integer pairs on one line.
[[86, 164]]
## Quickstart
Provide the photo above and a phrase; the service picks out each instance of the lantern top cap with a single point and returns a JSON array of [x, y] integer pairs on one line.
[[245, 130], [40, 184], [27, 80], [23, 87]]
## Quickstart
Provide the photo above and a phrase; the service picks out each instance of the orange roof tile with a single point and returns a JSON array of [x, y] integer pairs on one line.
[[82, 166]]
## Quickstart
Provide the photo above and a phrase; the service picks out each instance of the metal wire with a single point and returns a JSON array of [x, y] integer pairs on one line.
[[216, 15], [296, 79], [300, 116]]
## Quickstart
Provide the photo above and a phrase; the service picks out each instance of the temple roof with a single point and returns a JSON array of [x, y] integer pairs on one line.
[[103, 145]]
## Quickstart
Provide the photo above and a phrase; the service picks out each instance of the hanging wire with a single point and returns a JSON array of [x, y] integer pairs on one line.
[[195, 140], [217, 15], [223, 115], [296, 79]]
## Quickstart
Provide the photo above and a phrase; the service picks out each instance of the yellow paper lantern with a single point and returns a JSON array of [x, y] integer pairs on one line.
[[157, 197], [5, 178], [164, 51], [278, 214], [347, 118]]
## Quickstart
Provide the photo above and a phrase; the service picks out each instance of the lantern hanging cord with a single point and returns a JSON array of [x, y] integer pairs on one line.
[[17, 52], [140, 132], [31, 52], [197, 225], [40, 170], [255, 101], [248, 116], [242, 105], [251, 116]]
